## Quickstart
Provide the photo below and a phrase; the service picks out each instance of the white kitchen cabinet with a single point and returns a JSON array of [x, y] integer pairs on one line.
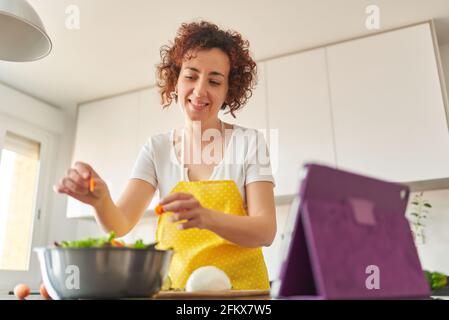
[[106, 138], [388, 107], [273, 253], [299, 112]]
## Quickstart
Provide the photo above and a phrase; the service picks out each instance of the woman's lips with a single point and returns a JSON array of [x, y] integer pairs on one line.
[[199, 106]]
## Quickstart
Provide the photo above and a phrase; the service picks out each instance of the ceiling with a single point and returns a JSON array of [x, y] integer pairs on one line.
[[117, 46]]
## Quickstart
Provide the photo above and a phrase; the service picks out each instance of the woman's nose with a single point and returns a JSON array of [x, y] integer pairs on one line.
[[200, 89]]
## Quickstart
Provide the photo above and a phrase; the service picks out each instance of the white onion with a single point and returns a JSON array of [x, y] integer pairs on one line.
[[208, 278]]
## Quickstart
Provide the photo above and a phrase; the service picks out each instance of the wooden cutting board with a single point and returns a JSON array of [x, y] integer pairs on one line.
[[229, 294]]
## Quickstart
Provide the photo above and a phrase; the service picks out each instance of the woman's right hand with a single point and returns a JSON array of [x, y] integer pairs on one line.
[[76, 184]]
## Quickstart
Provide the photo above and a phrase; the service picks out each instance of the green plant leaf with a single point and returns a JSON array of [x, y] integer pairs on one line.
[[139, 244], [419, 224], [438, 280]]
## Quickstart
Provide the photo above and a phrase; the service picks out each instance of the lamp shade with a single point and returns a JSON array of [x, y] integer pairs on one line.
[[22, 34]]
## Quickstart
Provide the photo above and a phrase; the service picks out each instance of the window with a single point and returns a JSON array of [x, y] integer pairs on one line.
[[19, 172]]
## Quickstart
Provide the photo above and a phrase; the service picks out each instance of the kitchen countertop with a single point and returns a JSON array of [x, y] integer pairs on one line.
[[164, 295], [13, 297], [182, 295], [226, 295]]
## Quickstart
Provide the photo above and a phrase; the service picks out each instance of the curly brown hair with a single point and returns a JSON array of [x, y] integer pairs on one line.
[[206, 35]]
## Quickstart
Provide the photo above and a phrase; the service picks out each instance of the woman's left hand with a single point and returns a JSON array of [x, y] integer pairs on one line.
[[186, 207]]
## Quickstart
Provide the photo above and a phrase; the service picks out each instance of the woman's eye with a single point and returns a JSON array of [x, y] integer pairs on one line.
[[214, 83]]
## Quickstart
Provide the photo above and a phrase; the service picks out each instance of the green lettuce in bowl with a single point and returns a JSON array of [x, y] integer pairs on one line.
[[102, 242]]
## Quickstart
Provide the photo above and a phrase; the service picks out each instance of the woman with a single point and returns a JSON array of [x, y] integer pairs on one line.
[[219, 206]]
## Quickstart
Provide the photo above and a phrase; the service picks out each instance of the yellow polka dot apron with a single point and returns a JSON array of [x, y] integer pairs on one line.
[[194, 248]]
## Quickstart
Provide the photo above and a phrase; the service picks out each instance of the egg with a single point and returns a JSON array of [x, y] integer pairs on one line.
[[21, 291], [208, 278], [43, 292]]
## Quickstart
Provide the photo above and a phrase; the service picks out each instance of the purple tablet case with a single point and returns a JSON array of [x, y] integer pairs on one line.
[[350, 240]]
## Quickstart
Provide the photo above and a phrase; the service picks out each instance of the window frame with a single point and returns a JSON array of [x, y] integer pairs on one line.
[[41, 206]]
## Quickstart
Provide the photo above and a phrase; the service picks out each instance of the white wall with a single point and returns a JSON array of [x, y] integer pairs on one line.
[[60, 125], [433, 250], [21, 106], [62, 228]]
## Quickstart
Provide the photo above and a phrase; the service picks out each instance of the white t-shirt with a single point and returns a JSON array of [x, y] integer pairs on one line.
[[246, 159]]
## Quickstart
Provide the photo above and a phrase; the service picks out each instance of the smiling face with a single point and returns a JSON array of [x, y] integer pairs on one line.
[[203, 84]]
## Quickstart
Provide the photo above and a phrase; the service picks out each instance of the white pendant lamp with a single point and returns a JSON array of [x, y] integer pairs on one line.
[[22, 34]]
